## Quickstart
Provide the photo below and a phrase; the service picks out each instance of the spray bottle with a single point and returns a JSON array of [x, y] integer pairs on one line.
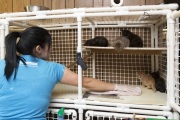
[[61, 114]]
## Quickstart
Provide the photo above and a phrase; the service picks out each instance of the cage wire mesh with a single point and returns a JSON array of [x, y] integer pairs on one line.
[[109, 67], [162, 35], [121, 68], [162, 59], [114, 68], [176, 60], [64, 48]]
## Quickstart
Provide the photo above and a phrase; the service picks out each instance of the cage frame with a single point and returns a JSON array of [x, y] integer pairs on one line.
[[79, 13]]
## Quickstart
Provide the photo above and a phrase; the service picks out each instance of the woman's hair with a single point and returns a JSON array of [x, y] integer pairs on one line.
[[23, 42]]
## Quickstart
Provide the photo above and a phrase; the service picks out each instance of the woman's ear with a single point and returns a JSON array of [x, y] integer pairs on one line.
[[38, 49]]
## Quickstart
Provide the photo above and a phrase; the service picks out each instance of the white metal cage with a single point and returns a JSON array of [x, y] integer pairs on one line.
[[109, 65], [70, 28]]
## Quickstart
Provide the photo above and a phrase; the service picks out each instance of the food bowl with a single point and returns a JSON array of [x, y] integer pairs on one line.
[[32, 8]]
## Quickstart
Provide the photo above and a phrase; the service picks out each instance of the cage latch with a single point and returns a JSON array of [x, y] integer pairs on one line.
[[80, 61]]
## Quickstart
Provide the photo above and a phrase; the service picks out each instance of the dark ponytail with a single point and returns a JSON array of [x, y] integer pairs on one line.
[[11, 57], [23, 43]]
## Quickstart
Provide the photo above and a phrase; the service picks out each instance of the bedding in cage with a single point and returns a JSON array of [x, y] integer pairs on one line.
[[72, 27]]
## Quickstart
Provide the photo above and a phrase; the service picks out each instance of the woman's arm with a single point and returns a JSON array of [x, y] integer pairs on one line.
[[71, 78]]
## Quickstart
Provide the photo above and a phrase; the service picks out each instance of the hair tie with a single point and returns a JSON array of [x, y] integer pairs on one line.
[[17, 40]]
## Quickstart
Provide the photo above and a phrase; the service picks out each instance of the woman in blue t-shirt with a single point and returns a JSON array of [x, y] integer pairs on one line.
[[27, 78]]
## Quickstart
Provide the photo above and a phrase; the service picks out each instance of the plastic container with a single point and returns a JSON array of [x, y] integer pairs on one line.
[[61, 114], [32, 8]]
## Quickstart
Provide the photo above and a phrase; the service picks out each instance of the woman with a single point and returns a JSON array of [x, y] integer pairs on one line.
[[26, 81]]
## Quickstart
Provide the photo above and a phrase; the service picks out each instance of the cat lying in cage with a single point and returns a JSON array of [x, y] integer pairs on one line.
[[160, 84], [121, 43], [147, 80], [135, 40], [100, 41]]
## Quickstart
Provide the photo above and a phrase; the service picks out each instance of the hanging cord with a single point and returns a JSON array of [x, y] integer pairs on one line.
[[144, 16], [84, 58]]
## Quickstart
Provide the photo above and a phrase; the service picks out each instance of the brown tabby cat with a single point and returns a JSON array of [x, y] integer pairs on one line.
[[147, 80], [121, 43]]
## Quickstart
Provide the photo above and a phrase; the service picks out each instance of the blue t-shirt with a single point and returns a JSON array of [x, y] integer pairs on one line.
[[28, 95]]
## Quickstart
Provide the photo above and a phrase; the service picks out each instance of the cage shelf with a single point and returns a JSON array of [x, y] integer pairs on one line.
[[126, 50]]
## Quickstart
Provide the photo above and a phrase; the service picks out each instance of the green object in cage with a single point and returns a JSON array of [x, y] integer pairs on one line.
[[61, 114]]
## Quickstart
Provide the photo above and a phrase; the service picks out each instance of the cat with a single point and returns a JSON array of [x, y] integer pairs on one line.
[[135, 40], [89, 42], [160, 84], [100, 41], [147, 80], [120, 43]]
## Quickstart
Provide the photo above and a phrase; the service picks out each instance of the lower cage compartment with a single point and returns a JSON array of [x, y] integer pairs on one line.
[[148, 97], [69, 114], [72, 114], [98, 115]]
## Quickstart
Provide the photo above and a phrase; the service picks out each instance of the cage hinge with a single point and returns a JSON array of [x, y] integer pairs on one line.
[[80, 61]]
